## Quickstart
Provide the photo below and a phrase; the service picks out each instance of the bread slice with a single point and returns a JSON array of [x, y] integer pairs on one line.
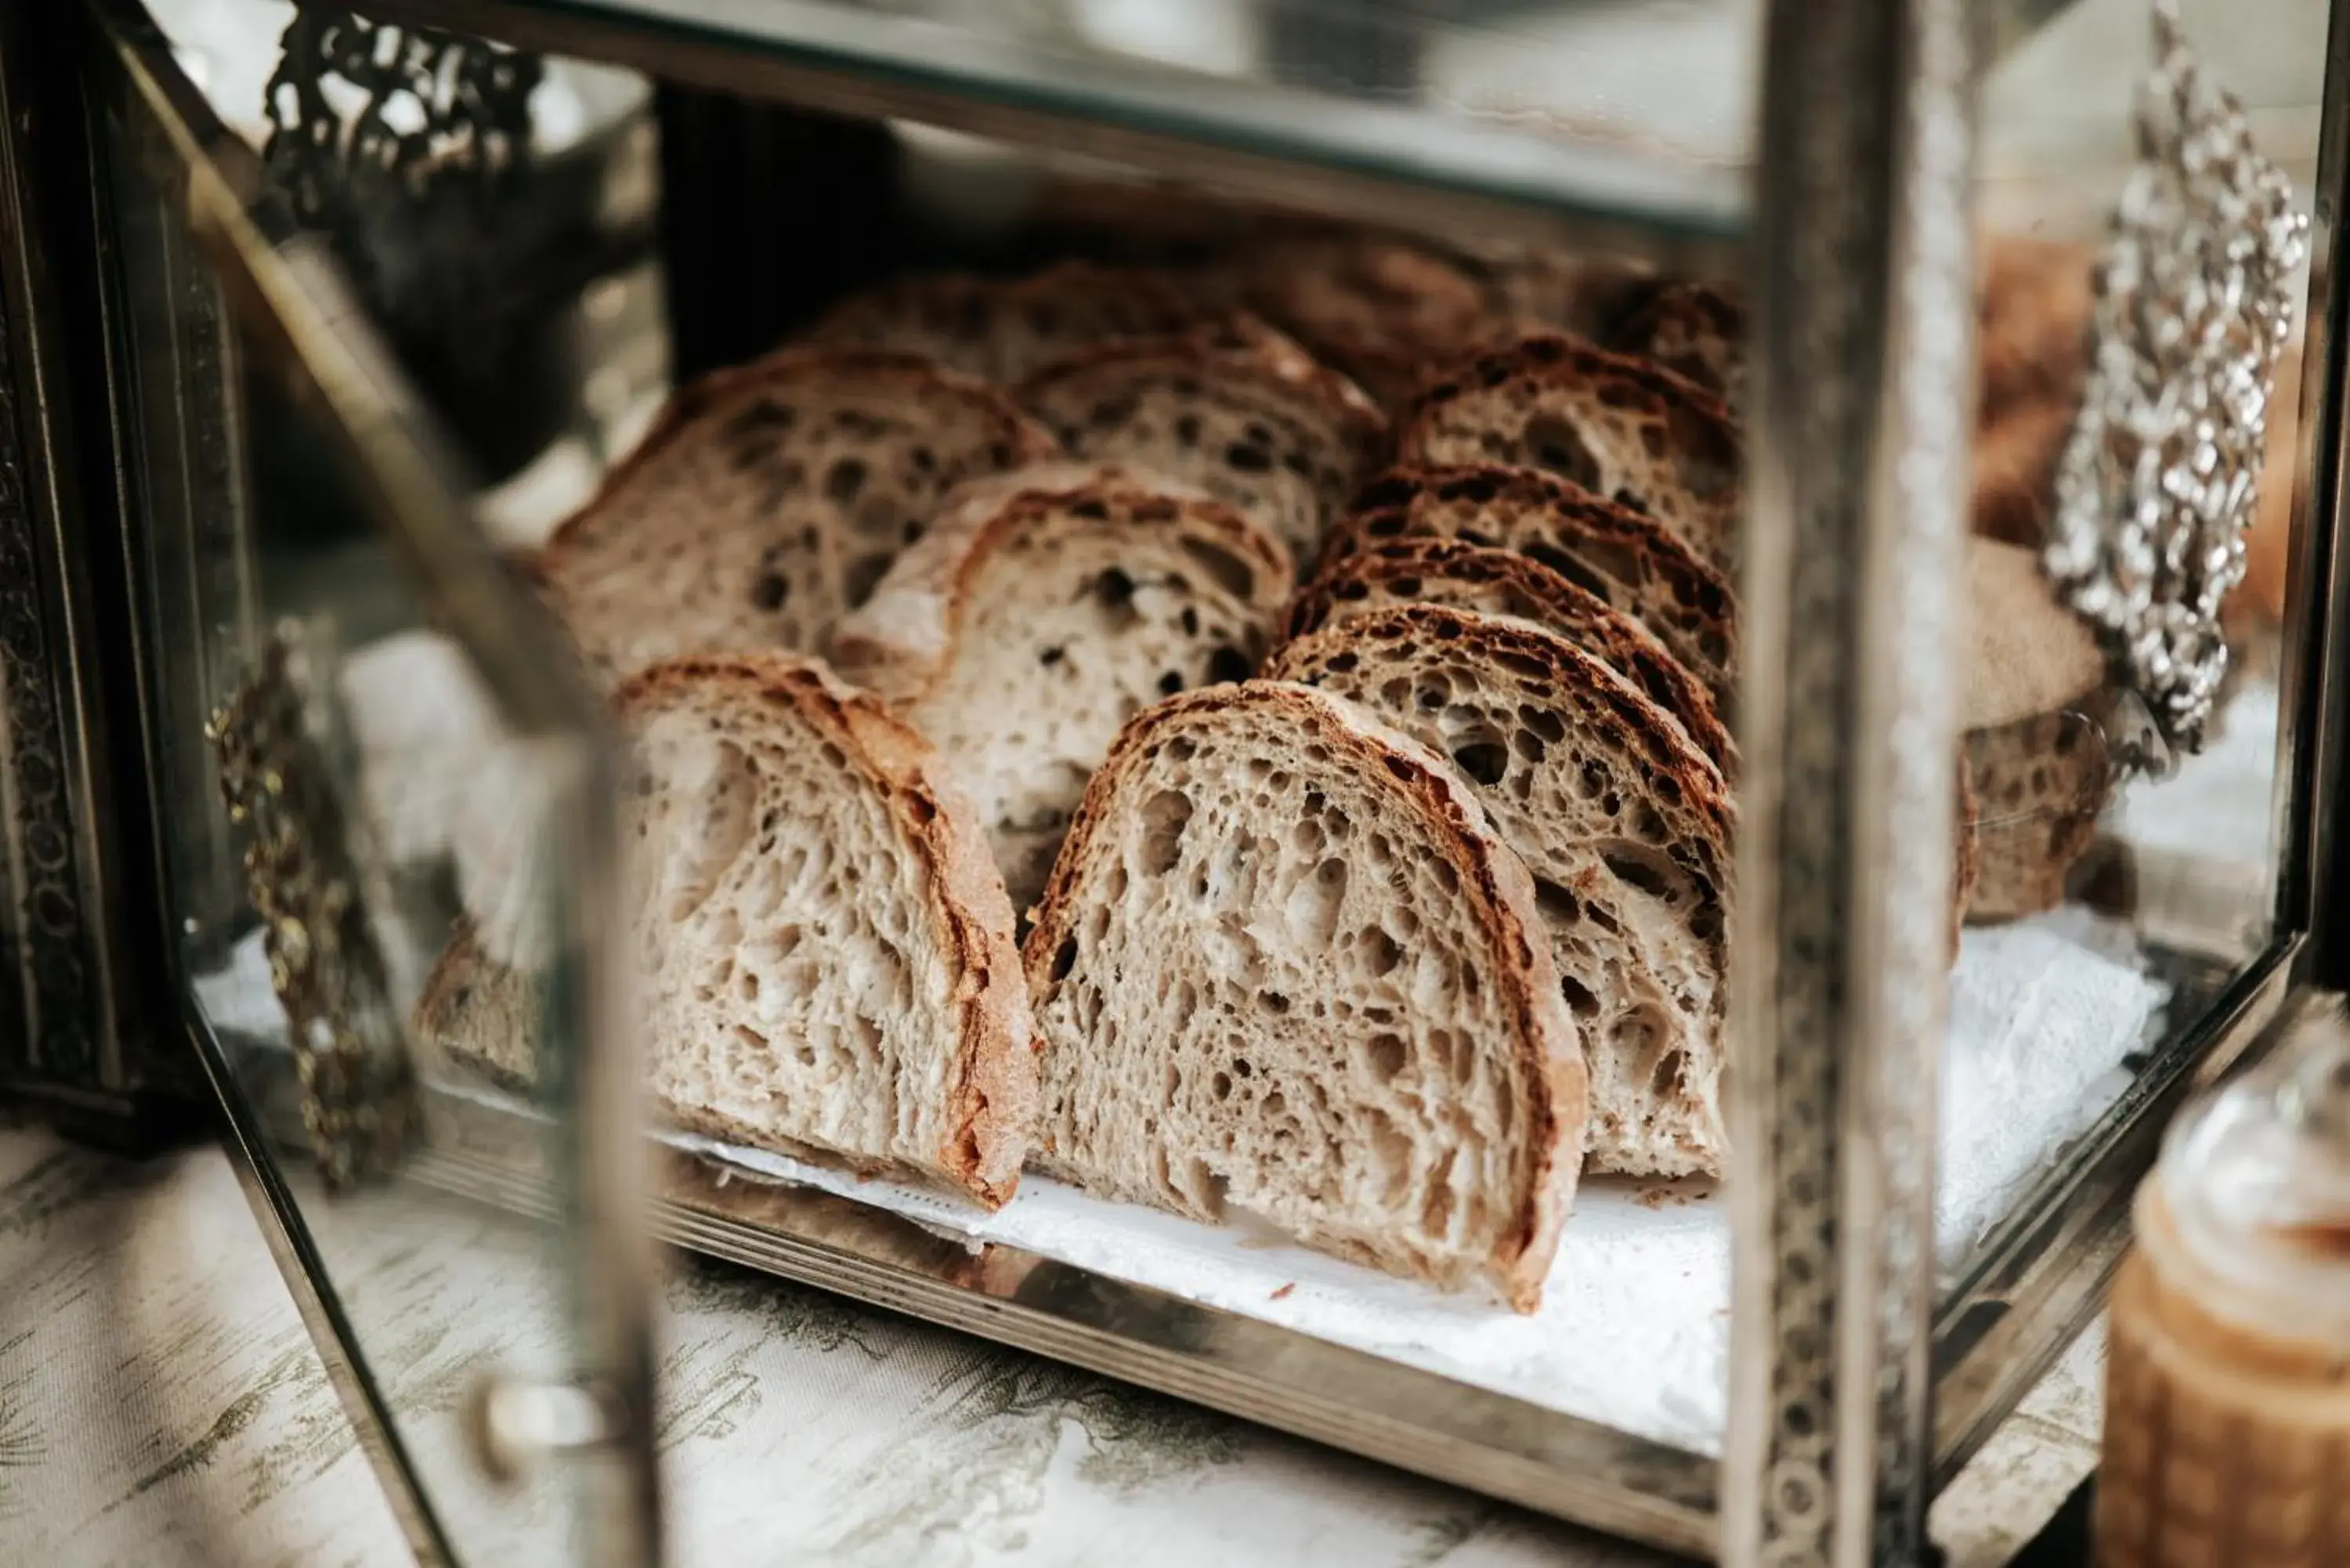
[[1505, 582], [1626, 828], [1384, 309], [1001, 329], [769, 500], [1285, 970], [1236, 409], [1042, 610], [2034, 712], [1618, 555], [482, 1013], [1619, 426], [1696, 330], [827, 959]]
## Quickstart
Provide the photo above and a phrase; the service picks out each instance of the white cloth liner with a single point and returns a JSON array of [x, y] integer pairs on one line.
[[1634, 1326]]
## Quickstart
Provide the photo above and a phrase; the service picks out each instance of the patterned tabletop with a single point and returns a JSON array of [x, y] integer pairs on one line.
[[161, 1405]]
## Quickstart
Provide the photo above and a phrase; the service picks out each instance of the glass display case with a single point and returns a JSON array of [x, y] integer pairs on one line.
[[1737, 597]]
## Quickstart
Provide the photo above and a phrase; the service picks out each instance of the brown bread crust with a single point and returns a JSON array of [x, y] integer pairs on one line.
[[1505, 582], [902, 659], [975, 324], [1543, 1035], [1608, 550], [1647, 438], [1696, 330], [993, 1100]]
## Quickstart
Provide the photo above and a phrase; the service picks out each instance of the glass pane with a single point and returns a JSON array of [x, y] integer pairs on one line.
[[2106, 918], [2113, 911], [338, 791]]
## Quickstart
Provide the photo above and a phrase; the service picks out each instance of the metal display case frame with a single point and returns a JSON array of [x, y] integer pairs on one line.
[[1858, 1388]]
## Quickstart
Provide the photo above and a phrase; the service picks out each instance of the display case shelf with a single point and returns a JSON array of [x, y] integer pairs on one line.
[[1834, 1287]]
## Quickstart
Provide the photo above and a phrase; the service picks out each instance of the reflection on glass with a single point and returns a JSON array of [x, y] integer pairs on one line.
[[2104, 912], [313, 815]]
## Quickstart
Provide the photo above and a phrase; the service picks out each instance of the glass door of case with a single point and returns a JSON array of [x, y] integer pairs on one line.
[[376, 794]]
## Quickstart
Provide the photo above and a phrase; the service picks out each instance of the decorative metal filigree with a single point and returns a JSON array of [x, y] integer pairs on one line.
[[307, 881], [2157, 485], [403, 143]]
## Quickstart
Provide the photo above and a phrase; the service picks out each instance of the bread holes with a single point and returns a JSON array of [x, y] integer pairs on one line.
[[1228, 664], [1390, 1153], [1385, 1055], [1553, 445], [1637, 866], [1163, 820], [1485, 761]]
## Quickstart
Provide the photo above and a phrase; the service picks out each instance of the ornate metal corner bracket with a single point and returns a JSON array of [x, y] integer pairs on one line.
[[400, 141], [2158, 483], [307, 879]]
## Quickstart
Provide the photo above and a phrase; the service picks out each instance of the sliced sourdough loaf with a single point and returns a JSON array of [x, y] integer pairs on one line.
[[1001, 329], [2034, 713], [826, 953], [1610, 552], [1042, 610], [1234, 408], [1626, 828], [1696, 330], [769, 500], [1502, 582], [1285, 970], [1619, 426]]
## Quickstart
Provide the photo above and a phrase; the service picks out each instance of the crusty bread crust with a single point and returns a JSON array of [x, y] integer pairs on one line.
[[1966, 865], [1685, 795], [479, 1012], [1543, 1038], [902, 644], [704, 409], [1503, 582], [993, 1095], [1384, 309], [1593, 542], [1001, 329], [1696, 330], [1638, 726], [720, 391], [1236, 358], [1645, 437]]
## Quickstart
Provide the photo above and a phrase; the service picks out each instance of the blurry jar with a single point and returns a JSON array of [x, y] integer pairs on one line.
[[2227, 1430]]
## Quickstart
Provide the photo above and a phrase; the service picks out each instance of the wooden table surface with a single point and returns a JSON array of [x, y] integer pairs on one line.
[[162, 1403]]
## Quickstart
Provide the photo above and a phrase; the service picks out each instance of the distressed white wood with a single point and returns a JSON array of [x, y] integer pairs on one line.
[[161, 1404]]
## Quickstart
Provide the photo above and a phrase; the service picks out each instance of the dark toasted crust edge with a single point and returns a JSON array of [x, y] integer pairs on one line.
[[1552, 356], [993, 1099], [1385, 509], [1152, 289], [690, 404], [1236, 347], [1628, 645], [909, 677], [1549, 1049], [1707, 308], [463, 967], [1641, 724]]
